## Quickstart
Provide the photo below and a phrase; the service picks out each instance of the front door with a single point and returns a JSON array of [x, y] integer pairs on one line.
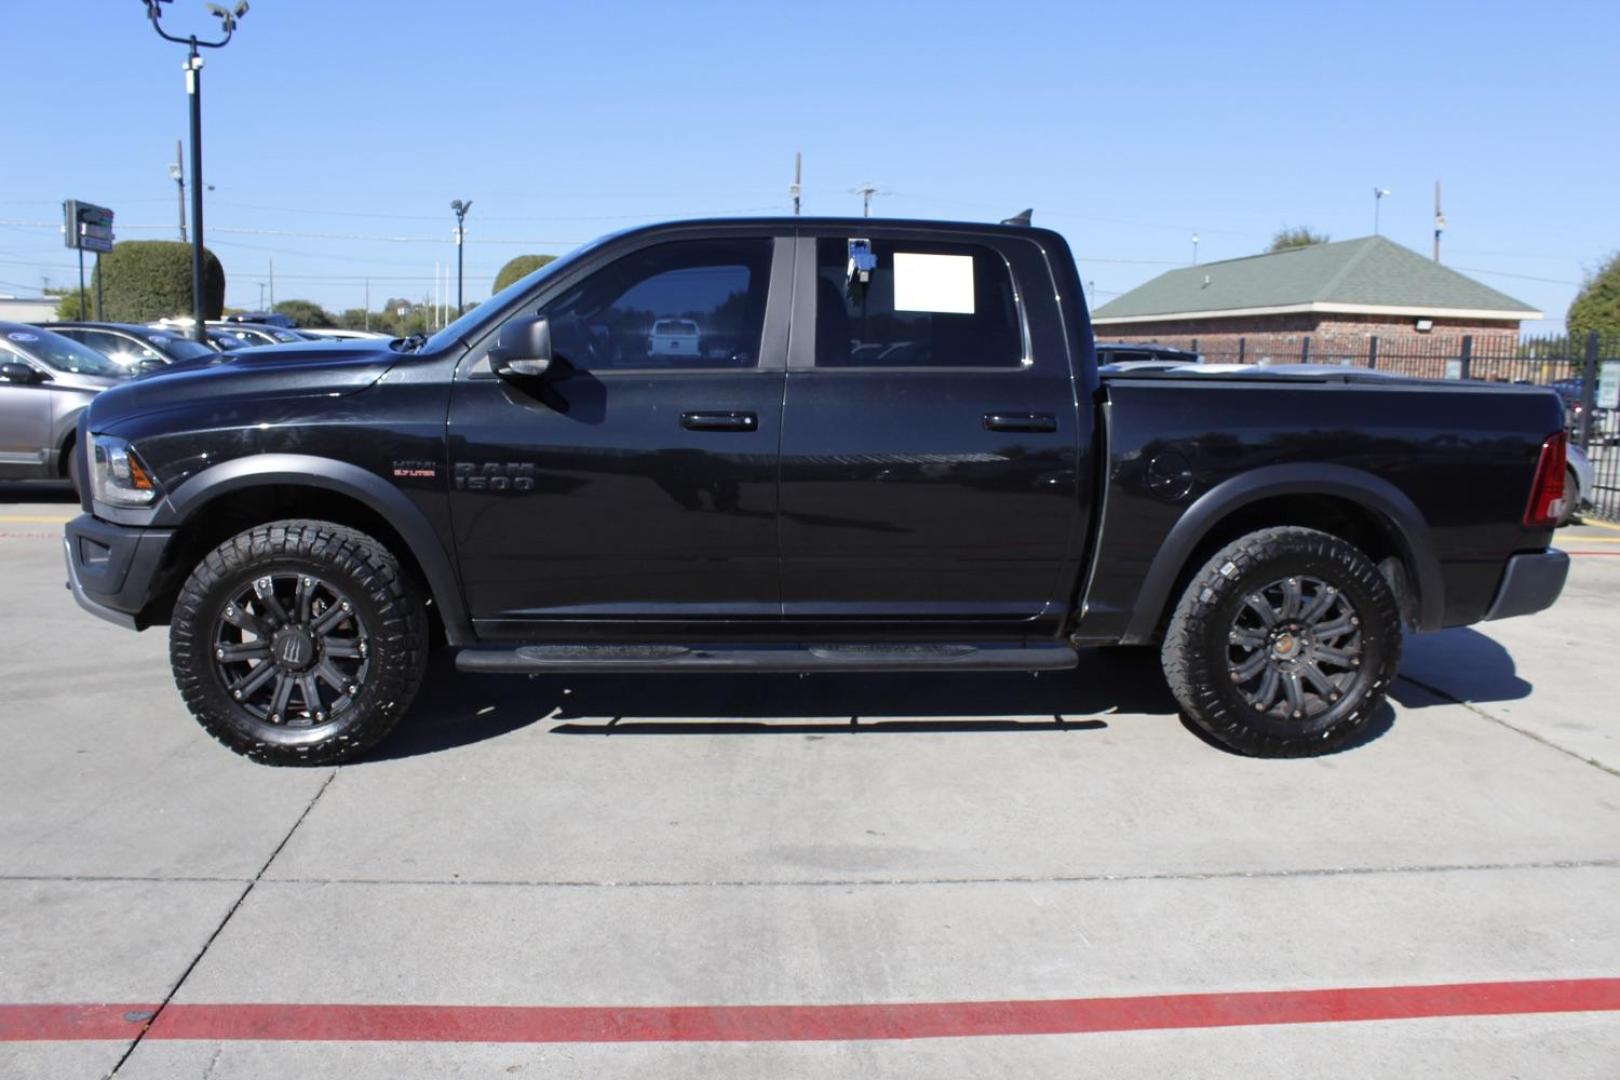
[[931, 442], [25, 421], [642, 484]]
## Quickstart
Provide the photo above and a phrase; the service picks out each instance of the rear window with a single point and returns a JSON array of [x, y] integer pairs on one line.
[[922, 305]]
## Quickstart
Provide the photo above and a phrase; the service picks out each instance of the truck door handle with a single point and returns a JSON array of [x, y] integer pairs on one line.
[[719, 421], [1020, 421]]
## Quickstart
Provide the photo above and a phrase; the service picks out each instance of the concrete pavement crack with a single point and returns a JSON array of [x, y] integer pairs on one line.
[[229, 914], [1526, 732]]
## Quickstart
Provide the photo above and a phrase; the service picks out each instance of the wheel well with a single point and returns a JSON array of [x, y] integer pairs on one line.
[[221, 518], [1370, 531]]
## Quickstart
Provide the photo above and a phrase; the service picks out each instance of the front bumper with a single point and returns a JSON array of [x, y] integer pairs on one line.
[[111, 568], [1530, 584]]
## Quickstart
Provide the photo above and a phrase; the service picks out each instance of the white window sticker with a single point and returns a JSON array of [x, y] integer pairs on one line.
[[942, 283], [20, 336], [158, 339]]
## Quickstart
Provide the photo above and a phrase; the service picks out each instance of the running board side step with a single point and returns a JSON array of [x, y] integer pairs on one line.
[[767, 659]]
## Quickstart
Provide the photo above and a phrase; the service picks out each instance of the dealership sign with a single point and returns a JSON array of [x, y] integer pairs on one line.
[[87, 226]]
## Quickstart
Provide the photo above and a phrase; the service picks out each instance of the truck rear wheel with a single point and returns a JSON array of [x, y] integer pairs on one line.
[[298, 643], [1284, 644]]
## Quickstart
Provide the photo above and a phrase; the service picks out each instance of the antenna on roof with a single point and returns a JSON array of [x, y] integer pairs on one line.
[[1020, 218]]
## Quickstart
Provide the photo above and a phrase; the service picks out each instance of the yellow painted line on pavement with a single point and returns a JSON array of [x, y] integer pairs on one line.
[[32, 519], [1601, 525], [1593, 539]]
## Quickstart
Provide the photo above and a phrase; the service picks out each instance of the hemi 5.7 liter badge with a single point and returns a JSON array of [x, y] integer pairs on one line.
[[420, 470]]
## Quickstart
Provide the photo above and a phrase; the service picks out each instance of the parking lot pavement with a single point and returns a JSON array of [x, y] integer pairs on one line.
[[593, 844]]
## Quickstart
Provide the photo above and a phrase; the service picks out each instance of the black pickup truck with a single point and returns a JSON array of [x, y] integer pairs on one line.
[[798, 445]]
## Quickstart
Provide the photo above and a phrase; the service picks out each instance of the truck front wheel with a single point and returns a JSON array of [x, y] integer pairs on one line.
[[298, 643], [1284, 644]]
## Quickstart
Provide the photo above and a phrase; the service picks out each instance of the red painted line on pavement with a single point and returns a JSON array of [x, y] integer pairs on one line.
[[770, 1023]]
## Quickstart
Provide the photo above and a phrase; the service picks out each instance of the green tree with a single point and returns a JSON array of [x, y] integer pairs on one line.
[[521, 266], [67, 304], [1597, 305], [1290, 237], [144, 280], [304, 313]]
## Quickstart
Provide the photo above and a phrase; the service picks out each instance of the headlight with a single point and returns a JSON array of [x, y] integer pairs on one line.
[[118, 477]]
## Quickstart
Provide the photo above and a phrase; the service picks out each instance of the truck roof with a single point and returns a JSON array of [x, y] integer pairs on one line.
[[852, 224]]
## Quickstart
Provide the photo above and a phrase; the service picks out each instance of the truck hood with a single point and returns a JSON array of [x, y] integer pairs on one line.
[[234, 381]]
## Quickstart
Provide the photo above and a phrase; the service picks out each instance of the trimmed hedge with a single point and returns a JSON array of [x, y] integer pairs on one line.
[[144, 280]]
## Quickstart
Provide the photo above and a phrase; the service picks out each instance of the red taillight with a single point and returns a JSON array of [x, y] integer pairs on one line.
[[1546, 503]]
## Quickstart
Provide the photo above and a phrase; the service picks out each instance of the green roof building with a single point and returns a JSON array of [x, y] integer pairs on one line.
[[1325, 299]]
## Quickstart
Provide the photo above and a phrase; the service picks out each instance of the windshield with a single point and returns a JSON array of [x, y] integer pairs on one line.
[[62, 354], [179, 348], [464, 326]]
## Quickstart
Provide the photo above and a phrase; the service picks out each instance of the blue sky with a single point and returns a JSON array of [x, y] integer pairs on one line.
[[337, 133]]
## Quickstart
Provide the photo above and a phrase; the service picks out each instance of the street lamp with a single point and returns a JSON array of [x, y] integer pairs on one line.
[[193, 68], [460, 208], [1378, 200]]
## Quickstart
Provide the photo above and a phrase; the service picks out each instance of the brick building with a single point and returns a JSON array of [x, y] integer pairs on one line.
[[1321, 303]]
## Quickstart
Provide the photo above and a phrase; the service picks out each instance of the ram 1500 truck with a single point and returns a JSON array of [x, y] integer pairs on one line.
[[893, 452]]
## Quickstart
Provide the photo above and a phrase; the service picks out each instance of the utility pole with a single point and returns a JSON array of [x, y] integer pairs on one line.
[[460, 209], [177, 172], [1439, 221], [193, 69], [795, 189], [866, 191], [272, 306]]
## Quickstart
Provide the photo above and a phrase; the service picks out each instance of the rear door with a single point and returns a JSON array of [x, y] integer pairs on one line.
[[641, 486], [930, 443]]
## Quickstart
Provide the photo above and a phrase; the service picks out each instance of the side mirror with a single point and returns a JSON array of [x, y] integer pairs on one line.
[[21, 374], [523, 348]]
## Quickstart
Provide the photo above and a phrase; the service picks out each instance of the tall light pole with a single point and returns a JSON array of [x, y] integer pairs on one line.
[[1378, 201], [1195, 249], [193, 68], [177, 173], [460, 209]]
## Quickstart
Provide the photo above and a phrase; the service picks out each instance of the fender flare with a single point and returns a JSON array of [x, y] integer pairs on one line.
[[1300, 478], [305, 470]]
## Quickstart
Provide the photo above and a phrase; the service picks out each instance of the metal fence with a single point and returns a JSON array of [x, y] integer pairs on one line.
[[1584, 369]]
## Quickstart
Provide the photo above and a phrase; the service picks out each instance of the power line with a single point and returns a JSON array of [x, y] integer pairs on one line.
[[1521, 277]]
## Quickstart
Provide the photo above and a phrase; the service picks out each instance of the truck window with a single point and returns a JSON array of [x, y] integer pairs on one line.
[[925, 305], [688, 304]]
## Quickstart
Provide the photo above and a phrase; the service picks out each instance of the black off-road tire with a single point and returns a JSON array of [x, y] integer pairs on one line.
[[389, 613], [1196, 653]]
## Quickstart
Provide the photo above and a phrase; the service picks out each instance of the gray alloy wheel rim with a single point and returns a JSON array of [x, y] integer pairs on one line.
[[1294, 648], [290, 649]]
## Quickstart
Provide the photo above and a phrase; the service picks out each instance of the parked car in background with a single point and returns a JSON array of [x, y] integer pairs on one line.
[[674, 337], [1577, 484], [327, 333], [46, 380], [135, 349], [1604, 430], [262, 318], [252, 334], [1124, 352]]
